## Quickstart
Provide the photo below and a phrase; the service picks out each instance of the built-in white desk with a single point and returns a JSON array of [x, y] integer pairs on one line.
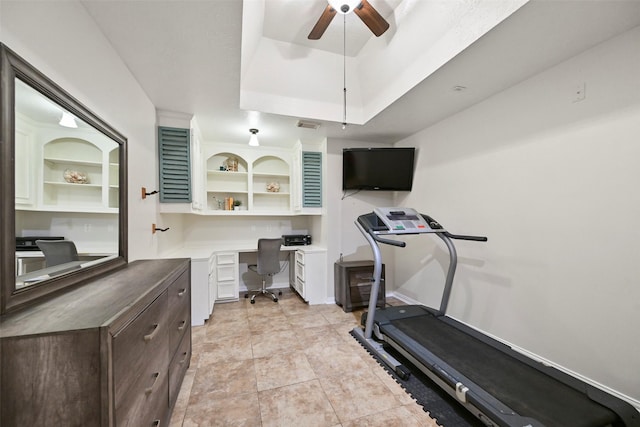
[[29, 261], [218, 270]]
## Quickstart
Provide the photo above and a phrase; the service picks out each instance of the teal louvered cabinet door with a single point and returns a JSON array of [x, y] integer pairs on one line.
[[311, 179], [175, 165]]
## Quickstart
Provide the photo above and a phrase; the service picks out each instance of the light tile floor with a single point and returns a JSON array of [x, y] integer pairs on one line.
[[288, 364]]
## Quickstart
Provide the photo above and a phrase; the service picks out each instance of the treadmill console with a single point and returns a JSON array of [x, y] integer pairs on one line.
[[402, 221]]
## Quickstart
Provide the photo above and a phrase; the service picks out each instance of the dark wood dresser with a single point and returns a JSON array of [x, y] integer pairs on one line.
[[112, 352]]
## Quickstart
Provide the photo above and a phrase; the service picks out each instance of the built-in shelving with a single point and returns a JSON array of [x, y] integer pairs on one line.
[[261, 185], [72, 155]]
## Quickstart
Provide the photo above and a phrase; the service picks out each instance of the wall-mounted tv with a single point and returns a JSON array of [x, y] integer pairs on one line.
[[389, 169]]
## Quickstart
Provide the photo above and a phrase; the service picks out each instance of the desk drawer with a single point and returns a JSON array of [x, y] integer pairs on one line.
[[226, 272], [226, 258], [300, 271], [141, 348], [227, 290]]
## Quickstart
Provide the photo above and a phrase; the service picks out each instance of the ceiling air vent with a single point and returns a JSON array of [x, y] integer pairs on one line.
[[306, 124]]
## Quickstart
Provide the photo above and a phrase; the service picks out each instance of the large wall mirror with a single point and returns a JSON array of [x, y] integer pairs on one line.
[[63, 189]]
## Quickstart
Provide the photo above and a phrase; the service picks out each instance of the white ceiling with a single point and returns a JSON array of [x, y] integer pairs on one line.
[[186, 55]]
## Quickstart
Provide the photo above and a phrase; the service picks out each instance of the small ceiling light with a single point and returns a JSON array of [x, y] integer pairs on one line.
[[344, 6], [67, 120], [253, 140]]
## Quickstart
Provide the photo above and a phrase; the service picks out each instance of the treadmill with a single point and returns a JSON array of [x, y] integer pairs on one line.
[[498, 385]]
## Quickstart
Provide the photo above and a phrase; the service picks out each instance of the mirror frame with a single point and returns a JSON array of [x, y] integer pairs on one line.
[[13, 66]]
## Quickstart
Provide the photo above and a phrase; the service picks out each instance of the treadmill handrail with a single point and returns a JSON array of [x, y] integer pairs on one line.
[[436, 225], [398, 243]]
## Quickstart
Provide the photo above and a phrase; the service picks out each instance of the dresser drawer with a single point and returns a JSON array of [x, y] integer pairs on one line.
[[146, 404], [141, 347], [179, 310], [178, 367], [178, 327], [179, 294]]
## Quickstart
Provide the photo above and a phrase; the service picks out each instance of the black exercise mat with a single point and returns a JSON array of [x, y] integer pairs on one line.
[[442, 407]]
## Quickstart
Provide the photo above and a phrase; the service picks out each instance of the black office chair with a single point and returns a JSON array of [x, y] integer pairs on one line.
[[58, 251], [268, 265]]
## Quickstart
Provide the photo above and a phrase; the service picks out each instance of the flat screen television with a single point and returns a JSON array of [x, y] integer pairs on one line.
[[389, 169]]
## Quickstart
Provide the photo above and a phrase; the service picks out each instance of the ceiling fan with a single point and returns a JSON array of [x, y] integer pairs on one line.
[[371, 18]]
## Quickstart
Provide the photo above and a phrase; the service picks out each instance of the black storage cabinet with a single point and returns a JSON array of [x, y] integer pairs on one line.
[[352, 283]]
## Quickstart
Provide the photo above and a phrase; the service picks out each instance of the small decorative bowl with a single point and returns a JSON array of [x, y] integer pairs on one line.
[[75, 177], [273, 187]]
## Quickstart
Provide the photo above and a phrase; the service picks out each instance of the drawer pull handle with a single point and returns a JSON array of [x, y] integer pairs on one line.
[[150, 336], [182, 325], [182, 292], [149, 390]]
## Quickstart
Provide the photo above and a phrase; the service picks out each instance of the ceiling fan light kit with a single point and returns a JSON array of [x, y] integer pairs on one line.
[[344, 6]]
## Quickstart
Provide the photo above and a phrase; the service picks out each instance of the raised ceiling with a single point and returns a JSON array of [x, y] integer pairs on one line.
[[188, 57]]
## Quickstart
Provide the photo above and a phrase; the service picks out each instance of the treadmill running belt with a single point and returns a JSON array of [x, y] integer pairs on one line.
[[521, 387]]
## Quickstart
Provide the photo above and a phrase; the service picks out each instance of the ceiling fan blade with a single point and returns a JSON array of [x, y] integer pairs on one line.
[[371, 18], [322, 24]]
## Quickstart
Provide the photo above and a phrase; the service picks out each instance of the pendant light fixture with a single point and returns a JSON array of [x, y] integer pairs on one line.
[[67, 120], [253, 140]]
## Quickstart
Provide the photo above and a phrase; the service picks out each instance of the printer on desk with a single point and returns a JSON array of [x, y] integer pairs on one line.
[[29, 243], [296, 239]]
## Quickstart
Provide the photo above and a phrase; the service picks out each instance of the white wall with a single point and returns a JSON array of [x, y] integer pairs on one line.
[[343, 209], [553, 184], [62, 41]]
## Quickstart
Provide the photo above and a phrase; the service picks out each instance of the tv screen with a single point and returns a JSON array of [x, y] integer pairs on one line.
[[388, 169]]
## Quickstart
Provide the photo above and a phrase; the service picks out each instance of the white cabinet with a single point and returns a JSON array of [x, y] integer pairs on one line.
[[226, 276], [24, 182], [203, 292], [310, 275]]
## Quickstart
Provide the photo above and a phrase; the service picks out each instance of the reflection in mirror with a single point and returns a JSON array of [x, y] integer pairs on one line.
[[63, 175], [66, 187]]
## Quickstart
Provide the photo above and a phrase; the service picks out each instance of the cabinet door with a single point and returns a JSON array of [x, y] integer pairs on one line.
[[311, 179], [199, 291], [213, 291], [175, 165]]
